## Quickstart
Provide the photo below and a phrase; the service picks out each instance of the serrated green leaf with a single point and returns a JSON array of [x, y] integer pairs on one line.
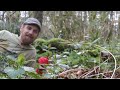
[[34, 75], [47, 76], [12, 73], [21, 59], [29, 69]]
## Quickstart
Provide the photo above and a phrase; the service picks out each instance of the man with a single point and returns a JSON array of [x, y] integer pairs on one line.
[[12, 45]]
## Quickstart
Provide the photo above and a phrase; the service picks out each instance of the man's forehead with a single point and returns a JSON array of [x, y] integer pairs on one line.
[[33, 26]]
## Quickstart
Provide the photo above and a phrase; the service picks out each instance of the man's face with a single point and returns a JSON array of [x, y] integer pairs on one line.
[[28, 33]]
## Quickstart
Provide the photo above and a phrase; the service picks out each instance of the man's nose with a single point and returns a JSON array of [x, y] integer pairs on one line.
[[31, 32]]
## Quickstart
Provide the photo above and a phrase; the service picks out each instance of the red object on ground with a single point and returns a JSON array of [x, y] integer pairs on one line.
[[38, 71], [43, 60]]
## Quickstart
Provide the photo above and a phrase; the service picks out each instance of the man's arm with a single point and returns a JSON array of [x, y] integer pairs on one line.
[[30, 58], [4, 34]]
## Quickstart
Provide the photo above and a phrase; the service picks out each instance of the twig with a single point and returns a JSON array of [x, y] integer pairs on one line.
[[89, 73], [96, 74], [93, 70], [114, 61]]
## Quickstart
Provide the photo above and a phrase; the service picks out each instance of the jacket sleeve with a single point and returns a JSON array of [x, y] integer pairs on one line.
[[31, 58]]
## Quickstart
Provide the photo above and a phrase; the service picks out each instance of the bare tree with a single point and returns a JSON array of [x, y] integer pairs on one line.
[[38, 15]]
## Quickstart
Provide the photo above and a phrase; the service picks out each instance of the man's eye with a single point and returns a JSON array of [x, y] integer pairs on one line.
[[35, 31], [29, 28]]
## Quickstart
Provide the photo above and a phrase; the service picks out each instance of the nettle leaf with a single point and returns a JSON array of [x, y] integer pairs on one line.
[[47, 76], [33, 75], [29, 69], [75, 66], [12, 73], [11, 57], [64, 61], [53, 48], [57, 56], [66, 53], [21, 59], [64, 66], [75, 62]]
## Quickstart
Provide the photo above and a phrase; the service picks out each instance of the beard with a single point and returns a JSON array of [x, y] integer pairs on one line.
[[26, 39]]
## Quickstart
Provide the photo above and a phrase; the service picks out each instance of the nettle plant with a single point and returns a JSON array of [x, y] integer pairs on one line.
[[50, 62], [15, 69], [86, 55]]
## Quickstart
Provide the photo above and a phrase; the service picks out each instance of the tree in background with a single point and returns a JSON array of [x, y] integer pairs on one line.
[[72, 25]]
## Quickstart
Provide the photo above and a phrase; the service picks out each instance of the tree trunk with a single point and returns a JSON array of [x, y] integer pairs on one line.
[[119, 28], [110, 34], [38, 15]]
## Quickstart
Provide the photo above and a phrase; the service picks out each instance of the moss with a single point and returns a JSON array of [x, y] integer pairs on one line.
[[60, 44], [40, 41]]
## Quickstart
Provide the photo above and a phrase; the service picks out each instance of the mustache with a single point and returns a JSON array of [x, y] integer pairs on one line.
[[29, 35]]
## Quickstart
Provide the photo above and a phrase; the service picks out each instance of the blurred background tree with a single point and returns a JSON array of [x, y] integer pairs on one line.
[[70, 25]]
